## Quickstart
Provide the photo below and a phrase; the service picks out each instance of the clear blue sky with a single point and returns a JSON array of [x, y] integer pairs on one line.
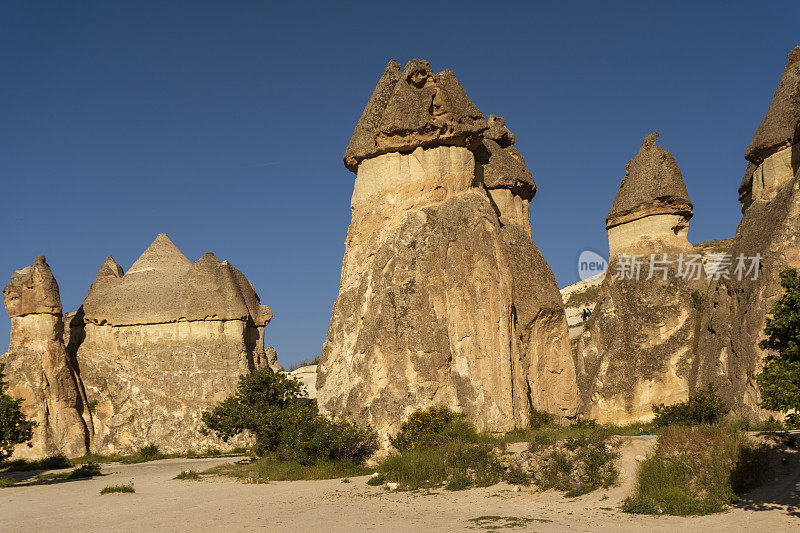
[[223, 123]]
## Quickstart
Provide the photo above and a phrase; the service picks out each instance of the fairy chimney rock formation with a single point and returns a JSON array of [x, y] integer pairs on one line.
[[444, 298], [163, 341], [636, 350], [651, 205], [37, 367], [735, 309]]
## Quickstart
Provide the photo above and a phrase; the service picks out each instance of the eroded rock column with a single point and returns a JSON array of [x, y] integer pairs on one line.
[[37, 367]]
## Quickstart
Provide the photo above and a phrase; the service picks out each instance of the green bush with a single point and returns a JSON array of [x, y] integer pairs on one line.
[[431, 427], [273, 408], [697, 470], [6, 482], [14, 427], [702, 407], [539, 419], [149, 452]]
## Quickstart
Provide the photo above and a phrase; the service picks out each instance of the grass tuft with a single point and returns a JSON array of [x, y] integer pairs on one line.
[[118, 489], [188, 474]]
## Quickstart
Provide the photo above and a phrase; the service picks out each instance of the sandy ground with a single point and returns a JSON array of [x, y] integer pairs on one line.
[[218, 504]]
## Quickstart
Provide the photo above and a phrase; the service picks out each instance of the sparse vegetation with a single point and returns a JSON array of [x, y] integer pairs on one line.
[[188, 475], [578, 465], [118, 489], [703, 407], [54, 462], [376, 480], [275, 469], [304, 362], [464, 463], [697, 470], [495, 523], [84, 471], [15, 428], [584, 298], [6, 482], [286, 425]]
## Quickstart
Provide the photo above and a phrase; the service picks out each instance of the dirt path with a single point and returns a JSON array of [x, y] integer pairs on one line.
[[215, 504]]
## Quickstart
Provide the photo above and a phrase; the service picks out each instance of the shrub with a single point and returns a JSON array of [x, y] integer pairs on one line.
[[431, 466], [696, 470], [432, 426], [85, 470], [459, 481], [15, 428], [149, 452], [579, 465], [516, 476], [376, 480], [188, 474], [539, 419], [702, 407], [117, 489], [7, 482], [273, 408]]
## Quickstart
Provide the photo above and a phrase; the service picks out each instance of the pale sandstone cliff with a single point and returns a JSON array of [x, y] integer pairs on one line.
[[38, 369], [162, 342], [734, 312], [444, 298]]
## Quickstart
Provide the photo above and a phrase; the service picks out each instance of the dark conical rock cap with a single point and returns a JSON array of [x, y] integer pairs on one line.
[[780, 126], [163, 286], [32, 290], [653, 185], [414, 108]]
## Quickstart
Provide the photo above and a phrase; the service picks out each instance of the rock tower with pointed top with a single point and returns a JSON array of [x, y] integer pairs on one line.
[[158, 344], [734, 311], [637, 348], [444, 298], [38, 369], [651, 204]]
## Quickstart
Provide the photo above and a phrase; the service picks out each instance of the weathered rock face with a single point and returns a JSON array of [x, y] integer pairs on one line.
[[637, 348], [163, 342], [444, 298], [735, 309], [38, 369]]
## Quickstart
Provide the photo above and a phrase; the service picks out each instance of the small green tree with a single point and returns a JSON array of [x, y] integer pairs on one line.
[[780, 379], [272, 407], [14, 427]]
